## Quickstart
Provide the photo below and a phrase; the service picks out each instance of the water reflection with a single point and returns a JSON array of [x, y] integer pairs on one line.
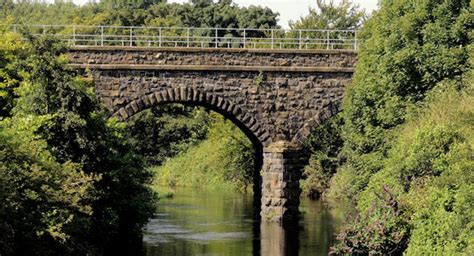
[[222, 223], [278, 240]]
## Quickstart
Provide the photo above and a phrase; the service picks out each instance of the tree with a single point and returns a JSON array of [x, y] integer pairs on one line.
[[76, 130], [326, 142], [406, 49], [327, 15], [407, 130], [10, 53], [112, 4], [42, 200]]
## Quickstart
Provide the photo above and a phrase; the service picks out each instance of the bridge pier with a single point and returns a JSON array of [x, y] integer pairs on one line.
[[281, 172]]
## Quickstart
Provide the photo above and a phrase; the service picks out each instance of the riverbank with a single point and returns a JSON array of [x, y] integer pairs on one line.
[[224, 160]]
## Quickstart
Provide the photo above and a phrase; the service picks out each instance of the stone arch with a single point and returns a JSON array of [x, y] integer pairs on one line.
[[191, 96], [329, 109]]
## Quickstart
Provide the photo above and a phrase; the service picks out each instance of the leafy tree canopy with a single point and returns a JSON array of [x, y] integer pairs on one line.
[[328, 15]]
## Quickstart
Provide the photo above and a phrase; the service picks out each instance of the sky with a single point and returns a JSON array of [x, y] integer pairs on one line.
[[288, 9]]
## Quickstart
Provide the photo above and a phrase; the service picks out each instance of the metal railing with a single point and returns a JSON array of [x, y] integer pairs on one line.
[[79, 35]]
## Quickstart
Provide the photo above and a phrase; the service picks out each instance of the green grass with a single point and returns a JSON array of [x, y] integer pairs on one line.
[[222, 161]]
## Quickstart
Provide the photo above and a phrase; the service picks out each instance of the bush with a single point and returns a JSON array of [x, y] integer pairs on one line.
[[406, 48], [225, 159], [324, 145], [428, 172], [42, 200], [443, 209], [77, 135], [381, 230]]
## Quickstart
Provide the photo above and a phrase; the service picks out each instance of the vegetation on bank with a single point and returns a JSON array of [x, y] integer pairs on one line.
[[66, 171], [421, 201], [225, 159], [191, 147], [164, 131], [407, 154], [325, 143]]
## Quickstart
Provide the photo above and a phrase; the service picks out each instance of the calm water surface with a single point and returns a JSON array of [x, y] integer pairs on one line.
[[197, 222]]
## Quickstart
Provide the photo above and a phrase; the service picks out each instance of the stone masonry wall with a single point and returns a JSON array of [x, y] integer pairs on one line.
[[226, 57], [281, 172], [285, 105], [275, 96]]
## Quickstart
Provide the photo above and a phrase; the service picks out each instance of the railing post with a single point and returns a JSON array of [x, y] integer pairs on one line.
[[245, 37], [44, 30], [300, 42], [159, 37], [188, 39], [131, 36], [328, 40], [14, 28], [216, 37], [101, 35], [74, 35], [273, 38], [355, 40]]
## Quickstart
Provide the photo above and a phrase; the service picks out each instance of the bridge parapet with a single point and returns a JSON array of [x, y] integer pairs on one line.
[[227, 59]]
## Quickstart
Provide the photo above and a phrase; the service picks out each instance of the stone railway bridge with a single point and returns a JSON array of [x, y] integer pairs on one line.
[[275, 96]]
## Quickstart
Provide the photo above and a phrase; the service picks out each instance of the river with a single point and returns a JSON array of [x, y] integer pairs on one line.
[[205, 222]]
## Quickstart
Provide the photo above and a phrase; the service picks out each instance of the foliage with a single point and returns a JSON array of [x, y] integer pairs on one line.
[[42, 200], [164, 131], [10, 52], [224, 159], [381, 230], [429, 173], [222, 14], [408, 130], [345, 15], [70, 120], [443, 220], [326, 142], [35, 12], [324, 146], [407, 47], [111, 4], [441, 200]]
